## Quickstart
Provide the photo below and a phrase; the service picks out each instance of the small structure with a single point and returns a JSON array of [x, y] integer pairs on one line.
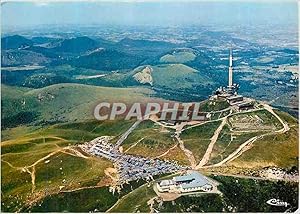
[[234, 99], [190, 182], [245, 105]]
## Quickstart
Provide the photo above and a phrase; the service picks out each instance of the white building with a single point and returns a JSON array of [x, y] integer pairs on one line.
[[190, 182]]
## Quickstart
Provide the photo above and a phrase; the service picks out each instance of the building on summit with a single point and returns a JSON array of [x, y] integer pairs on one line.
[[230, 93]]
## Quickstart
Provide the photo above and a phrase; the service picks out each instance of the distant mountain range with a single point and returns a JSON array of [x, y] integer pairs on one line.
[[141, 43], [15, 42], [48, 60], [108, 60], [76, 45]]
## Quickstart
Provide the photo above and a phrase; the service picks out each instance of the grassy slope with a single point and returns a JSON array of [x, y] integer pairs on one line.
[[224, 146], [62, 170], [17, 132], [76, 101], [178, 57], [96, 199], [229, 140], [268, 120], [136, 200], [12, 98], [197, 139], [11, 91], [154, 141], [275, 150], [64, 102], [65, 170], [216, 105], [177, 76]]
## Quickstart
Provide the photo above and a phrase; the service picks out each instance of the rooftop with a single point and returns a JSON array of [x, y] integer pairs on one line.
[[196, 179], [166, 182], [234, 97]]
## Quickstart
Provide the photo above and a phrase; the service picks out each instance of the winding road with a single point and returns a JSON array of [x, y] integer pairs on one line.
[[248, 144]]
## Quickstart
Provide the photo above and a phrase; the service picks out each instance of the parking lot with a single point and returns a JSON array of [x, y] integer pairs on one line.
[[129, 167]]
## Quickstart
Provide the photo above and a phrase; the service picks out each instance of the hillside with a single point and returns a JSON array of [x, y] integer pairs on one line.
[[22, 57], [145, 44], [178, 56], [280, 150], [76, 45], [169, 75], [15, 42], [108, 60], [42, 40], [55, 166], [57, 163], [47, 52], [61, 102]]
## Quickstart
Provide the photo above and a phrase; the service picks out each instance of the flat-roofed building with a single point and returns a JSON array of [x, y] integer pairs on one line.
[[234, 99], [190, 182], [165, 185], [245, 105]]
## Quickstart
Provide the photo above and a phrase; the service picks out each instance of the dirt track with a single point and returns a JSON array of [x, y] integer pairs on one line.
[[187, 152], [213, 140], [248, 144]]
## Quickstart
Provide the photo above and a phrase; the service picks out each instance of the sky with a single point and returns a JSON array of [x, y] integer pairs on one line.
[[28, 14]]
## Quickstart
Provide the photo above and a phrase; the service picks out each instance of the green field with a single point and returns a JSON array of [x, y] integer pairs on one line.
[[153, 140], [135, 201], [197, 139], [43, 152], [86, 200], [273, 150], [62, 103], [228, 142]]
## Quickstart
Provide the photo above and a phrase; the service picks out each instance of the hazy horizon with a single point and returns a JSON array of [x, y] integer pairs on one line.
[[26, 14]]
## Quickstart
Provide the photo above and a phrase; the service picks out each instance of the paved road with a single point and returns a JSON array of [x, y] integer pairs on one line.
[[125, 135]]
